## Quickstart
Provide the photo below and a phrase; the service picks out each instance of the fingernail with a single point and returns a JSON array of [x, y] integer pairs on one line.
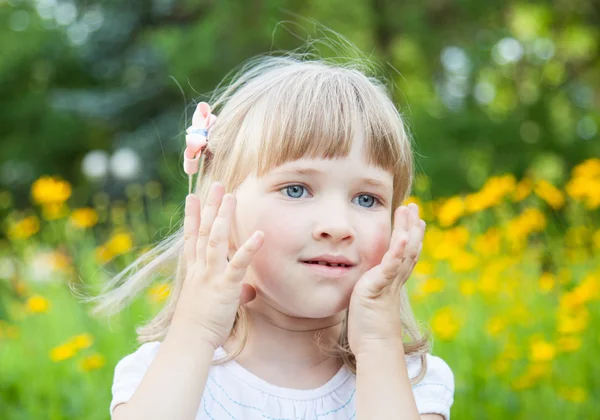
[[188, 199], [257, 237]]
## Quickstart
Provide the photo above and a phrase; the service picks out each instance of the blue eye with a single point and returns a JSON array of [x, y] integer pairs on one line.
[[294, 191], [366, 200]]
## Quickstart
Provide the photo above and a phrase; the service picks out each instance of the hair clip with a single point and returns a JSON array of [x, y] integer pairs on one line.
[[196, 138]]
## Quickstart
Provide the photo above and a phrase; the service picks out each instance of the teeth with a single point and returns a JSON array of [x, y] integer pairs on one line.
[[329, 264]]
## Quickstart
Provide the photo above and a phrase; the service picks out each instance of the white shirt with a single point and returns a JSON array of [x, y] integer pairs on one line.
[[234, 393]]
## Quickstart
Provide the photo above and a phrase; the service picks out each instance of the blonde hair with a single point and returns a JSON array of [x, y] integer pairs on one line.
[[276, 110]]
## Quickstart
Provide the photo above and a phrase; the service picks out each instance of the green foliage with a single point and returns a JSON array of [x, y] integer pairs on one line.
[[113, 74]]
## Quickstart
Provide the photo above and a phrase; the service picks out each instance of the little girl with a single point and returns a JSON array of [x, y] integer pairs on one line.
[[288, 301]]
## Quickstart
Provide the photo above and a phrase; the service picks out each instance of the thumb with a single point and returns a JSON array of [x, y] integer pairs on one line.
[[248, 294], [374, 282]]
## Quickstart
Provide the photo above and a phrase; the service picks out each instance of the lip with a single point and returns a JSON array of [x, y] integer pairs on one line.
[[332, 259], [327, 271]]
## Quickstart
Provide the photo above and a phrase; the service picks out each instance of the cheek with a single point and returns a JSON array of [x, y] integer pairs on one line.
[[378, 243], [284, 234], [278, 225]]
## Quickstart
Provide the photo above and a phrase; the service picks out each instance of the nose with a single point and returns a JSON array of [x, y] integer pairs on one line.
[[334, 224]]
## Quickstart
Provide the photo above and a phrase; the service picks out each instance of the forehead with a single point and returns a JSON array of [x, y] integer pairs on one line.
[[354, 164]]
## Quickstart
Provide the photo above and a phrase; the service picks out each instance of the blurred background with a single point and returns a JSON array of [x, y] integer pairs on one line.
[[502, 100]]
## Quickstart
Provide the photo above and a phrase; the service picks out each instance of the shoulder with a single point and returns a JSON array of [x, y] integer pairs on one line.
[[434, 393], [143, 355], [130, 371]]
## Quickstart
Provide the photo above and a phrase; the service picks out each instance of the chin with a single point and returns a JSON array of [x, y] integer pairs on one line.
[[317, 307]]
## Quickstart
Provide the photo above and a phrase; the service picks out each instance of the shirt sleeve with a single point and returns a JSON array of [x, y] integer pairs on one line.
[[434, 394], [130, 371]]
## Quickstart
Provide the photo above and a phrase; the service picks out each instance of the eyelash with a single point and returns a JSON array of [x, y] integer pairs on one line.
[[378, 201]]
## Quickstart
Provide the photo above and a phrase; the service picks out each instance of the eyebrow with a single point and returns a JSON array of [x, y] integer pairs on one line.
[[312, 172]]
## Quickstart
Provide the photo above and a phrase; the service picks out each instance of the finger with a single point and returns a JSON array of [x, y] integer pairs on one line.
[[237, 267], [248, 294], [191, 224], [415, 235], [209, 213], [412, 250], [400, 218], [391, 261], [218, 240], [384, 274]]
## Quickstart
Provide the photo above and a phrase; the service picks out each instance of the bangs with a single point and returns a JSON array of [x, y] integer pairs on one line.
[[317, 114]]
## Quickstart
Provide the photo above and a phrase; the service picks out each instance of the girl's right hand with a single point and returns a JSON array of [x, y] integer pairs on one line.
[[213, 287]]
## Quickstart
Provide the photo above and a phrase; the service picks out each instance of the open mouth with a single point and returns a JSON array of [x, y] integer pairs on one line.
[[326, 264], [328, 269]]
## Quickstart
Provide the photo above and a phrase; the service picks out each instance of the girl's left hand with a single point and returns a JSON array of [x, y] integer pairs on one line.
[[374, 311]]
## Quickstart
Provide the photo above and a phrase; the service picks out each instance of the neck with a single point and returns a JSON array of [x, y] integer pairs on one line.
[[283, 350]]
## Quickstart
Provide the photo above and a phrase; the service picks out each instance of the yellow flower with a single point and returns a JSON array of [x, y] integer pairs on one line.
[[37, 304], [84, 218], [538, 370], [62, 352], [569, 343], [491, 194], [532, 375], [494, 326], [423, 267], [576, 395], [445, 324], [585, 183], [547, 282], [92, 362], [23, 229], [541, 351], [54, 211], [589, 287], [82, 341], [550, 194], [589, 168], [159, 292], [522, 190], [102, 254], [489, 282], [432, 285], [463, 262], [119, 243], [531, 220], [452, 210], [588, 290], [573, 323], [50, 190], [489, 243]]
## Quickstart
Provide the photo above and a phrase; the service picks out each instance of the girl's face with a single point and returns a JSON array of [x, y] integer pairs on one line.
[[315, 210]]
